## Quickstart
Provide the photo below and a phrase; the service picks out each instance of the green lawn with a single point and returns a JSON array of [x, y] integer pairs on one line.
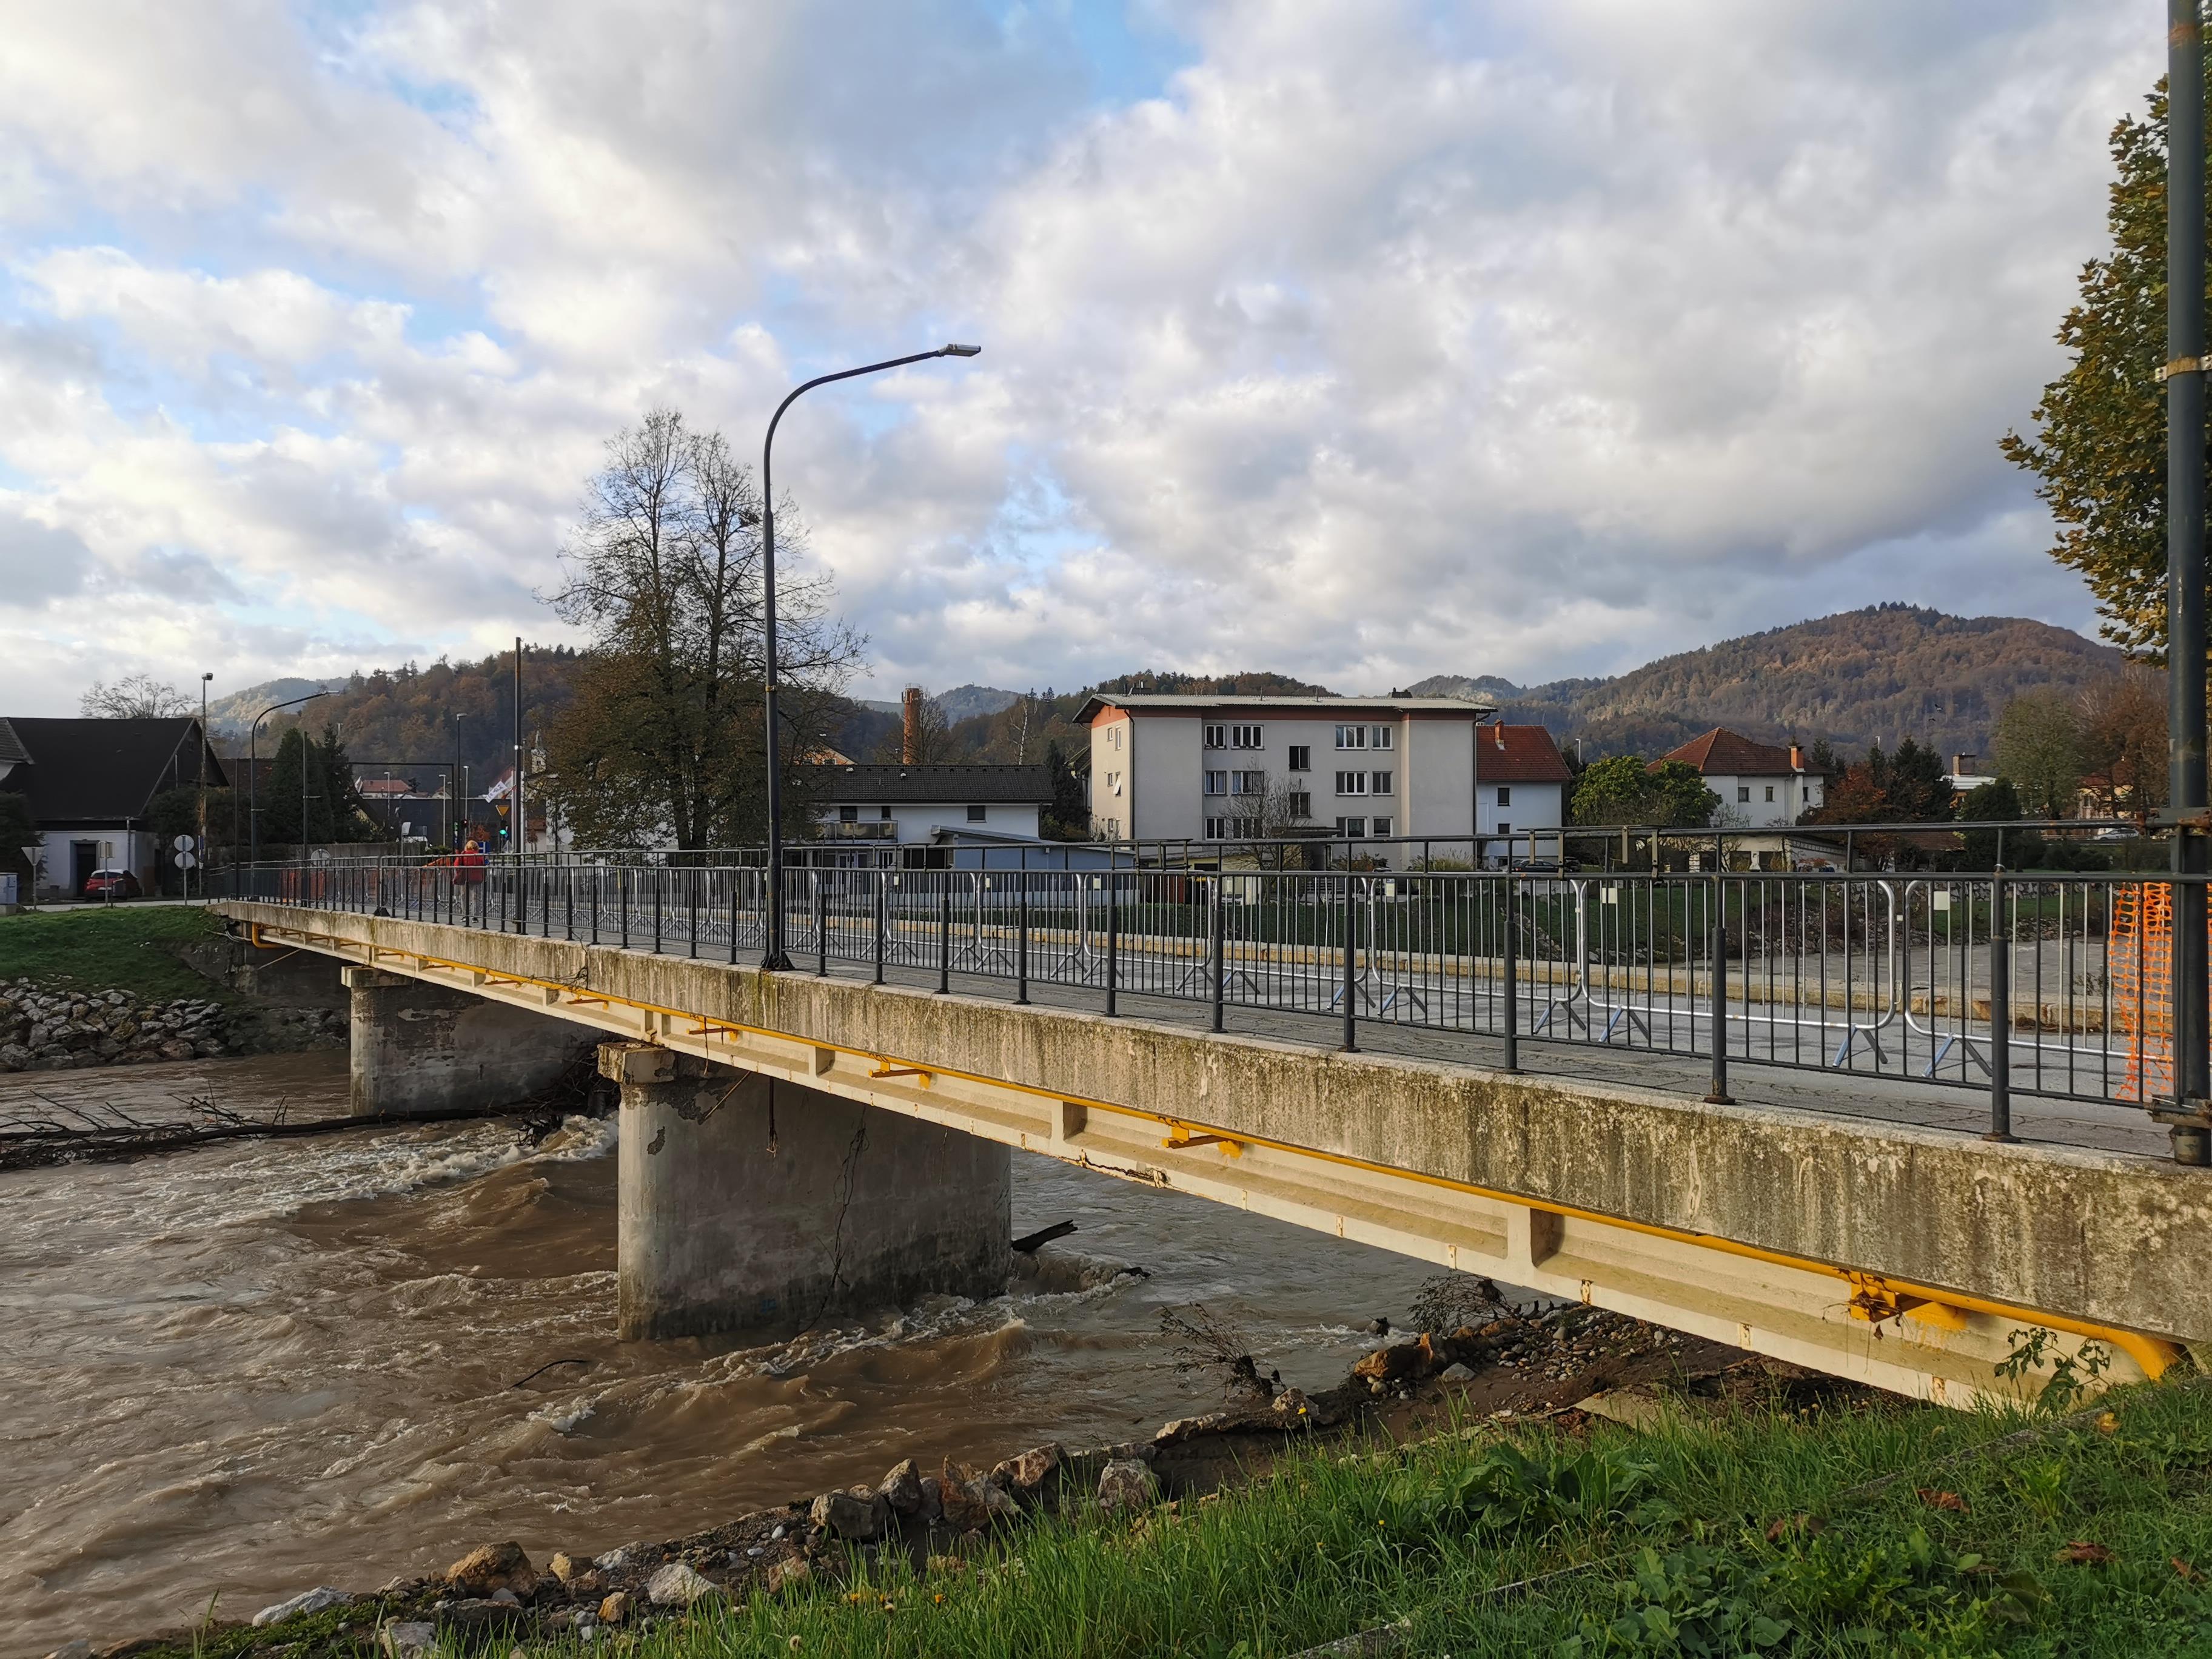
[[127, 948], [1750, 1533]]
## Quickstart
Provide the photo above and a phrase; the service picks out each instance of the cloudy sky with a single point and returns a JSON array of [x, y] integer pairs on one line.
[[1361, 340]]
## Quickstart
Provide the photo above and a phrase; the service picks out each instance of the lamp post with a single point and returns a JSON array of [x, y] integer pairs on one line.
[[774, 958], [253, 766], [204, 678], [2184, 544]]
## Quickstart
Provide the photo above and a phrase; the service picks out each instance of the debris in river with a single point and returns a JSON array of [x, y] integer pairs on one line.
[[1027, 1243]]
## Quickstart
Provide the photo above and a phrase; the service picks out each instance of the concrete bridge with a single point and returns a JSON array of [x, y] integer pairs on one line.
[[792, 1142]]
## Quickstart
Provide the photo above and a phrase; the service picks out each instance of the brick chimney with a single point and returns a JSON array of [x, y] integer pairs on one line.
[[910, 738], [1797, 756]]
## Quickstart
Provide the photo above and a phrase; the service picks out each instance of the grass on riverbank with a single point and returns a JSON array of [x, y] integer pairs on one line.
[[127, 948], [1756, 1532]]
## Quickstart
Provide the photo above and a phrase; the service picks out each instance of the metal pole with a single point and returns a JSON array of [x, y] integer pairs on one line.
[[821, 925], [1022, 940], [945, 935], [517, 835], [1351, 926], [2184, 544], [1214, 948], [1512, 972], [774, 957], [2000, 1014], [883, 904], [1113, 939], [1718, 1095]]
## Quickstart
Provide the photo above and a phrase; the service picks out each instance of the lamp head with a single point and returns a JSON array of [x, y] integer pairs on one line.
[[958, 350]]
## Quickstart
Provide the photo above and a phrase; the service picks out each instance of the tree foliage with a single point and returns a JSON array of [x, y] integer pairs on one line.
[[2100, 448], [1623, 789], [134, 697], [2039, 751], [331, 802], [665, 737]]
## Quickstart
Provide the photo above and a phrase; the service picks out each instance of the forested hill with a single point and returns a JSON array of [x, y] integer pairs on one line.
[[1887, 673], [425, 717]]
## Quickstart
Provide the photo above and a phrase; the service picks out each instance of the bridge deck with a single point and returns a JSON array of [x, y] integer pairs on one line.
[[1855, 1224]]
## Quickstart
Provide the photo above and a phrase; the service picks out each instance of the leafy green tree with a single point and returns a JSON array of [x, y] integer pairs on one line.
[[1615, 790], [1996, 802], [1622, 789], [2100, 448], [1678, 797], [2038, 750]]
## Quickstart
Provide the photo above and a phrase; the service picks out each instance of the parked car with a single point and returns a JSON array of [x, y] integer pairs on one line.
[[1545, 866], [111, 884]]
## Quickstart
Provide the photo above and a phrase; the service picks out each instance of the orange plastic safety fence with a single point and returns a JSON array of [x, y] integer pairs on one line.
[[2139, 967]]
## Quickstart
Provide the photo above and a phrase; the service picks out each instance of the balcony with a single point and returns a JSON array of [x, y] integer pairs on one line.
[[866, 829]]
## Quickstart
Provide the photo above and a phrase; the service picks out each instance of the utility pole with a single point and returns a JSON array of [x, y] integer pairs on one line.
[[2184, 571], [517, 835], [204, 678]]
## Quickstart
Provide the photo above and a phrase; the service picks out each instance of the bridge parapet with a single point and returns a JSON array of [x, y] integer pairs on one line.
[[1905, 1257]]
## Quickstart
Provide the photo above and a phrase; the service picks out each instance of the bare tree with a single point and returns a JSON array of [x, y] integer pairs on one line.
[[134, 697], [664, 738], [933, 734]]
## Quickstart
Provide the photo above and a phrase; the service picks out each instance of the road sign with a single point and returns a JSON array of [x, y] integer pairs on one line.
[[185, 860], [31, 855], [184, 843]]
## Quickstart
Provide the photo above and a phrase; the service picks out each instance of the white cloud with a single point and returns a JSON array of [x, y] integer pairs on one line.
[[1381, 340]]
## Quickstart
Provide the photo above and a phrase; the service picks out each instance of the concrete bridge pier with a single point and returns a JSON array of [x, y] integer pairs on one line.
[[420, 1047], [751, 1204]]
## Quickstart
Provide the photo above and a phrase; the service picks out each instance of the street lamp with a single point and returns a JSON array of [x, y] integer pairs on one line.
[[773, 959], [204, 678], [253, 766]]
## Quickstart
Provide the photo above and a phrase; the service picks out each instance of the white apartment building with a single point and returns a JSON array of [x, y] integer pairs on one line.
[[1761, 786], [1223, 767]]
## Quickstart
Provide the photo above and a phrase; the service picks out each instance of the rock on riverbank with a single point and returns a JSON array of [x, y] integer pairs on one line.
[[43, 1030]]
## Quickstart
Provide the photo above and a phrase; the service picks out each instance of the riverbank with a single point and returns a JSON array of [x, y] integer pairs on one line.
[[115, 986], [934, 1515], [1745, 1513]]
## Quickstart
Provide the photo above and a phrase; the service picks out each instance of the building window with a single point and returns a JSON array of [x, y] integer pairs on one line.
[[1383, 782], [1505, 795], [1504, 828], [1217, 783], [1225, 829], [1770, 792], [1351, 783], [1245, 736], [1383, 737], [977, 814], [1301, 758], [1353, 828], [1217, 736], [1113, 783], [884, 812], [1247, 783], [1382, 826], [1299, 804], [1743, 794], [1351, 736], [849, 815], [1117, 737]]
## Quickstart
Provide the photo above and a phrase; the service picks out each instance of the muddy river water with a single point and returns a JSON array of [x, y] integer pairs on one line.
[[258, 1366]]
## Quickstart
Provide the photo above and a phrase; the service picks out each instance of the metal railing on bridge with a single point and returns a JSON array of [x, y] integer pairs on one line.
[[2052, 985]]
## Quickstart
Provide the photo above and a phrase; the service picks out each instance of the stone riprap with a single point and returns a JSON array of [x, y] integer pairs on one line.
[[58, 1031]]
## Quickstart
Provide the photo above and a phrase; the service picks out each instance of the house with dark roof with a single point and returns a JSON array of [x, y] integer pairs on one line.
[[877, 807], [1761, 786], [90, 785], [1520, 784]]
